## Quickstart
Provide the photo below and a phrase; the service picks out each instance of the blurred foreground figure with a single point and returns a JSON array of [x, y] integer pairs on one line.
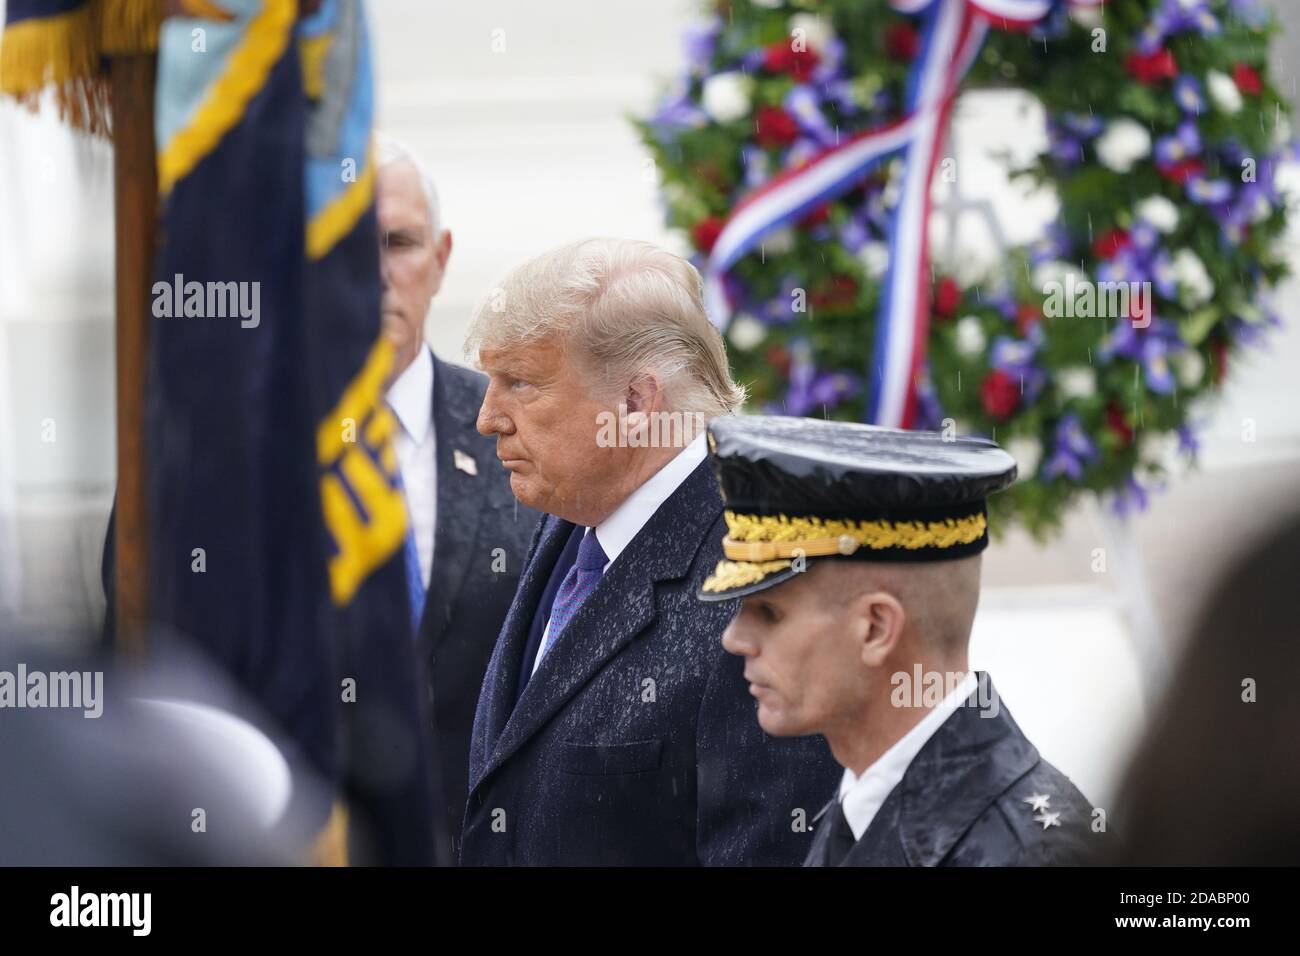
[[157, 764], [612, 728], [1217, 780], [856, 553]]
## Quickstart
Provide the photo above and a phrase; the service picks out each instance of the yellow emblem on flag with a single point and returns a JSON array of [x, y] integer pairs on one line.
[[361, 493]]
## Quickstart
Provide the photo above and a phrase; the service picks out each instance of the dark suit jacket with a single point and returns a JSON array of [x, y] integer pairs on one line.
[[636, 742], [467, 599], [962, 803]]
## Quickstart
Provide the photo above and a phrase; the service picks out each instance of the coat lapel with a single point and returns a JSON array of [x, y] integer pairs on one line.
[[969, 762], [460, 496], [507, 657], [620, 608]]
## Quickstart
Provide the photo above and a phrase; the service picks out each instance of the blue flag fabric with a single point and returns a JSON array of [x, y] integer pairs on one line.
[[277, 522]]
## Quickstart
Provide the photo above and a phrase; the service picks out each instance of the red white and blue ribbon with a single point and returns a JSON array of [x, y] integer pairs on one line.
[[951, 35]]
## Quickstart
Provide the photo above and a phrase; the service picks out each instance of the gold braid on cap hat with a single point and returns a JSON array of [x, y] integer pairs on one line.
[[767, 537]]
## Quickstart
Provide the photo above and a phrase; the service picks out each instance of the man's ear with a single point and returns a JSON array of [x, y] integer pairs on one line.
[[444, 249], [645, 393], [441, 253], [879, 619]]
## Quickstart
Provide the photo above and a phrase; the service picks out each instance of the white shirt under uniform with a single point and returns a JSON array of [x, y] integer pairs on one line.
[[861, 797], [411, 399], [616, 532]]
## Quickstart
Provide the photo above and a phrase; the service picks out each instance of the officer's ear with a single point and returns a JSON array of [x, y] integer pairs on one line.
[[880, 618]]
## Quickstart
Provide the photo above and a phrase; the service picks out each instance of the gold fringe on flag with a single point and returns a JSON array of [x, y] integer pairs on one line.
[[62, 54]]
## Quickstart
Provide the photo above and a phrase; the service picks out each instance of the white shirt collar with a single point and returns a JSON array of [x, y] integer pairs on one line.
[[410, 396], [863, 796], [616, 532]]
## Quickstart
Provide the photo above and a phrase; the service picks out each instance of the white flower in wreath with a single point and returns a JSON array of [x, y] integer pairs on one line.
[[1189, 366], [1027, 452], [816, 29], [874, 257], [971, 340], [727, 96], [1123, 144], [1158, 211], [1155, 447], [746, 332], [769, 4], [1086, 16], [1076, 381], [1055, 270], [1194, 283], [1223, 91]]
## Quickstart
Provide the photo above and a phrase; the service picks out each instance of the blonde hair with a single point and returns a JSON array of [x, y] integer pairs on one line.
[[621, 306]]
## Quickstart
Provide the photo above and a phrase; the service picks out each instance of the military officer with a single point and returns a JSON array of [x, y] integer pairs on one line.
[[856, 551]]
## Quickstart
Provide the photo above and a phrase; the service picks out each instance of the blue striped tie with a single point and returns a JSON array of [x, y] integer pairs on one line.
[[414, 579], [578, 584]]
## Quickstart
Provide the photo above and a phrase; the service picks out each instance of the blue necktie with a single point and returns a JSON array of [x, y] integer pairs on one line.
[[578, 584], [414, 579]]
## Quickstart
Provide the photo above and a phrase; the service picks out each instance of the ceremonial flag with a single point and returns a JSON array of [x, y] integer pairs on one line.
[[277, 519]]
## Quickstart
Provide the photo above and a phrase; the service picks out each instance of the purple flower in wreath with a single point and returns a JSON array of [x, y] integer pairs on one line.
[[1054, 24], [677, 111], [830, 65], [855, 233], [1250, 12], [1208, 192], [1127, 265], [1254, 202], [811, 389], [1052, 245], [756, 164], [1005, 302], [1068, 132], [753, 61], [1182, 144], [1129, 498], [803, 103], [1072, 450], [839, 93], [1086, 125], [1150, 347], [803, 150], [1177, 16], [1144, 237], [1188, 95], [780, 310], [700, 41], [1188, 443], [1016, 357]]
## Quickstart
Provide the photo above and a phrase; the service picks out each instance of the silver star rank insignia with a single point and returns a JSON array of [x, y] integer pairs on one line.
[[1037, 801], [1048, 819]]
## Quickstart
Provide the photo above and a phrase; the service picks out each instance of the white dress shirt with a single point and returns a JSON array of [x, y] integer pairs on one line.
[[616, 532], [411, 399], [863, 796]]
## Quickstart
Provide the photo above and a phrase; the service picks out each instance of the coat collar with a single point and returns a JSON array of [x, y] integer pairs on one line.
[[460, 491], [969, 762], [620, 608]]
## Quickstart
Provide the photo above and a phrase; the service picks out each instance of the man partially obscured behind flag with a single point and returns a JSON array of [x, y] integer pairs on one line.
[[277, 521]]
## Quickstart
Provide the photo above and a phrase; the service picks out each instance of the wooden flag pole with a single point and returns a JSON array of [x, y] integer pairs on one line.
[[135, 196]]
